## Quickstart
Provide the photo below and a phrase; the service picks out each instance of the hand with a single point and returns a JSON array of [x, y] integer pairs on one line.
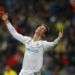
[[5, 17], [60, 34]]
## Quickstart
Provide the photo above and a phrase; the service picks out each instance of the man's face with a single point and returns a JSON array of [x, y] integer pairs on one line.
[[40, 31]]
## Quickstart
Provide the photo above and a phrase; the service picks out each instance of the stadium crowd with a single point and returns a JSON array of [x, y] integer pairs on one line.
[[26, 15]]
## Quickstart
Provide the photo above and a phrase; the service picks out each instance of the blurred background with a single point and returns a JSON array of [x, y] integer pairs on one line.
[[26, 15]]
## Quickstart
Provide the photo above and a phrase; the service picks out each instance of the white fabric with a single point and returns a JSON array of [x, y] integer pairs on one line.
[[17, 35], [25, 73], [33, 57]]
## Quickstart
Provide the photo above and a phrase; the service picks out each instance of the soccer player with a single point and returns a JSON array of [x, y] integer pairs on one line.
[[34, 47]]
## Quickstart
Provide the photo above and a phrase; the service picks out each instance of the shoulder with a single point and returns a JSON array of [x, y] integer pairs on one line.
[[28, 37], [43, 42]]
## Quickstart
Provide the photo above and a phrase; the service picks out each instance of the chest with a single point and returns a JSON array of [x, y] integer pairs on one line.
[[34, 47]]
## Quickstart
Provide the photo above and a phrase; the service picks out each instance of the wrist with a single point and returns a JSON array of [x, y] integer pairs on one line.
[[6, 21]]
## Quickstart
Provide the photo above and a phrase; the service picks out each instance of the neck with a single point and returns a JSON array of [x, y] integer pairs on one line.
[[37, 38]]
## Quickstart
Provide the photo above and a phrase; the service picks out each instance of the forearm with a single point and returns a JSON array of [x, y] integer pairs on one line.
[[11, 29], [13, 32], [51, 45], [57, 40], [8, 24]]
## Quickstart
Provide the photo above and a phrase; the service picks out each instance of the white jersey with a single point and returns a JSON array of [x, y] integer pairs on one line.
[[33, 57]]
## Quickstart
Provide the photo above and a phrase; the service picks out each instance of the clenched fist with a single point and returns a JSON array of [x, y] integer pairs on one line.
[[60, 34], [5, 18]]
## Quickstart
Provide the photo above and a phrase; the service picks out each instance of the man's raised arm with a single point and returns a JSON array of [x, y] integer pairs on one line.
[[12, 30], [50, 45], [57, 40]]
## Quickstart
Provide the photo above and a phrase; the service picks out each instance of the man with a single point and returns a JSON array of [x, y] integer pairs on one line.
[[35, 47]]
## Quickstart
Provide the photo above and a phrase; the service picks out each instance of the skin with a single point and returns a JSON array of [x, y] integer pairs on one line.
[[39, 32]]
